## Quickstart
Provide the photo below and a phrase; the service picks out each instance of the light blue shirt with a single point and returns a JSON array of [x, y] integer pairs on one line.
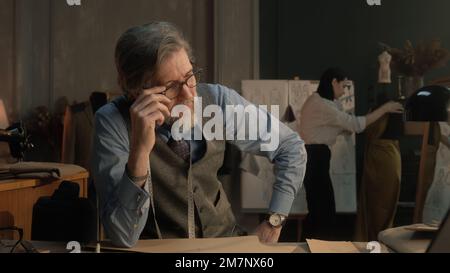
[[124, 206]]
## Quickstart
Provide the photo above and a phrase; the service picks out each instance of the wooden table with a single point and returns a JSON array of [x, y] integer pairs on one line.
[[61, 247], [18, 196]]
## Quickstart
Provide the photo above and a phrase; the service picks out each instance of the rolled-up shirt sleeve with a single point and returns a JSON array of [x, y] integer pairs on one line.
[[123, 205], [289, 156], [290, 166]]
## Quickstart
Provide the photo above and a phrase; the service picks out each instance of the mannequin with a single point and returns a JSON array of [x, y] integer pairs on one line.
[[384, 74]]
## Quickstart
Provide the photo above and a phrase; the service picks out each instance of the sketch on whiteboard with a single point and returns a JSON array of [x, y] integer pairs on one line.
[[266, 92], [299, 91]]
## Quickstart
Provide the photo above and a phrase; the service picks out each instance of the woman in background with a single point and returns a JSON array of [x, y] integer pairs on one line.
[[321, 122]]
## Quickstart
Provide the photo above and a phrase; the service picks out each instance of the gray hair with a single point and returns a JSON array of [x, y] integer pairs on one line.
[[141, 49]]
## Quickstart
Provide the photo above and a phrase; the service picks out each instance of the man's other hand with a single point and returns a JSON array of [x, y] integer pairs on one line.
[[268, 234]]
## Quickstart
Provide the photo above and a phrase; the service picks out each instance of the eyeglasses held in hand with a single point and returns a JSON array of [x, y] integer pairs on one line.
[[173, 89]]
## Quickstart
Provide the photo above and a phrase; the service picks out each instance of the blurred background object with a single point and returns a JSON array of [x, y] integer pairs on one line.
[[428, 104]]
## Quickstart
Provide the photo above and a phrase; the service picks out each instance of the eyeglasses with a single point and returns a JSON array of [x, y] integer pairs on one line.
[[173, 89]]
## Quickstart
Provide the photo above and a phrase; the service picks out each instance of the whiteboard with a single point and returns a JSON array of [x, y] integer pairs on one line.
[[257, 176]]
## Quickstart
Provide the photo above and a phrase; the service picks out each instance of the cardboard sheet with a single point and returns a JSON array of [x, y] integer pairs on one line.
[[317, 246], [245, 244]]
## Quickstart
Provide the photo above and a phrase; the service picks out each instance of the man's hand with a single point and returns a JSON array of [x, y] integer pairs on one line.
[[268, 234], [149, 110]]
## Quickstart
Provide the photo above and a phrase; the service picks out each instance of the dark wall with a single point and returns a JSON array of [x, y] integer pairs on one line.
[[83, 39], [50, 50], [302, 38]]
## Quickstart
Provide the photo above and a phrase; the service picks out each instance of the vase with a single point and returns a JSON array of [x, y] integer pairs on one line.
[[411, 84]]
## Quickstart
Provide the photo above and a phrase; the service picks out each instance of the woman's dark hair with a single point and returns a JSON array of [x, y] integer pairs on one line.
[[325, 89], [141, 49]]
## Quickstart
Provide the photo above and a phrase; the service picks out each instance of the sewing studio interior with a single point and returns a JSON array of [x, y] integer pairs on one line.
[[224, 126]]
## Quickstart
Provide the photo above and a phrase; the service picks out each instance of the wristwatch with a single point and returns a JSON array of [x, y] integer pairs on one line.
[[276, 220]]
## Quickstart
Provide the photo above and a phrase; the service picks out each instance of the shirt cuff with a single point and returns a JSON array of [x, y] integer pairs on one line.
[[362, 122], [130, 195], [281, 203]]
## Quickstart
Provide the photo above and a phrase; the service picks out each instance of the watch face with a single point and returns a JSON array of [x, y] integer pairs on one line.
[[275, 220]]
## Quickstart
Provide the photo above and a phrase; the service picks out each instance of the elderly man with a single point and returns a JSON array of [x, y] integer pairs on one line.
[[154, 185]]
